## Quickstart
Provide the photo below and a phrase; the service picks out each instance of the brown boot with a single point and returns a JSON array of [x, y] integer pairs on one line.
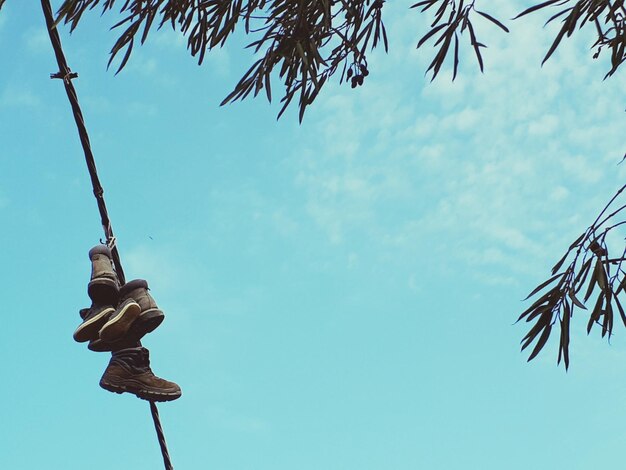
[[151, 316], [129, 371], [93, 319], [119, 322], [104, 286]]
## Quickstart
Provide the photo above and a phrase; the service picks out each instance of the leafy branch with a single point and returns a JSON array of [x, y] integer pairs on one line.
[[452, 18], [303, 41], [300, 42], [607, 16], [559, 296]]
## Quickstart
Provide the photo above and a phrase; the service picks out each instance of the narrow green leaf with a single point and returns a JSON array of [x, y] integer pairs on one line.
[[536, 7], [565, 333], [475, 45], [607, 325], [602, 278], [541, 343], [622, 286], [620, 309], [456, 56], [577, 302], [268, 86], [539, 302], [593, 281], [559, 263], [580, 279], [596, 313], [129, 49], [543, 284], [430, 34], [493, 20], [555, 43], [537, 327], [577, 241]]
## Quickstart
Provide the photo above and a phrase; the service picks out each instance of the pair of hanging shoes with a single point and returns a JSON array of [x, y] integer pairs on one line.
[[118, 315], [117, 319]]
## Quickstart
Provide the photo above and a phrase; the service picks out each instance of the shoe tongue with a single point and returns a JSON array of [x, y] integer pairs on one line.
[[132, 285], [136, 359]]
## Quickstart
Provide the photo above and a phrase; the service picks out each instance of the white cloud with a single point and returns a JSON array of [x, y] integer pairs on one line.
[[168, 38], [502, 168], [236, 421], [216, 60], [37, 40], [15, 96], [137, 108]]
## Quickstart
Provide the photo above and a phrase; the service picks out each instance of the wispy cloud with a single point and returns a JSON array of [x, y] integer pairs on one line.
[[16, 96], [216, 60], [499, 169], [236, 421], [37, 40]]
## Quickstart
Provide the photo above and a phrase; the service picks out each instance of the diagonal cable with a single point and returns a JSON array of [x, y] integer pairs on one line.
[[67, 75]]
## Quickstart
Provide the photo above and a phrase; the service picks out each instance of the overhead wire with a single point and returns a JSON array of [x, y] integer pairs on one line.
[[67, 75]]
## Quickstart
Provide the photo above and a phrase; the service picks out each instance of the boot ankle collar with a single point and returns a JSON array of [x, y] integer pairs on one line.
[[137, 359], [100, 250], [130, 351], [132, 285]]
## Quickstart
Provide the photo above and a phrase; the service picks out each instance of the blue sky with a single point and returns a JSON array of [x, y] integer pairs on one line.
[[340, 294]]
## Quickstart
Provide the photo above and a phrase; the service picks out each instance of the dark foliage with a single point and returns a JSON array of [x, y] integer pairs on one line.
[[607, 16], [304, 42], [452, 18], [588, 265]]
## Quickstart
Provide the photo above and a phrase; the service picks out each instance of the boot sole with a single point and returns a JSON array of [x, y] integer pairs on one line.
[[136, 388], [97, 345], [89, 330], [148, 321], [119, 325], [103, 291]]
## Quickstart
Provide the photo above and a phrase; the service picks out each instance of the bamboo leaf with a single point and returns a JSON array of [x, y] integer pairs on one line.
[[620, 309], [559, 263], [539, 302], [543, 284], [424, 2], [537, 327], [456, 56], [430, 34], [607, 325], [555, 43], [596, 313], [475, 45], [565, 334], [536, 7], [577, 241], [593, 281], [541, 343], [576, 302], [580, 279], [493, 20]]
